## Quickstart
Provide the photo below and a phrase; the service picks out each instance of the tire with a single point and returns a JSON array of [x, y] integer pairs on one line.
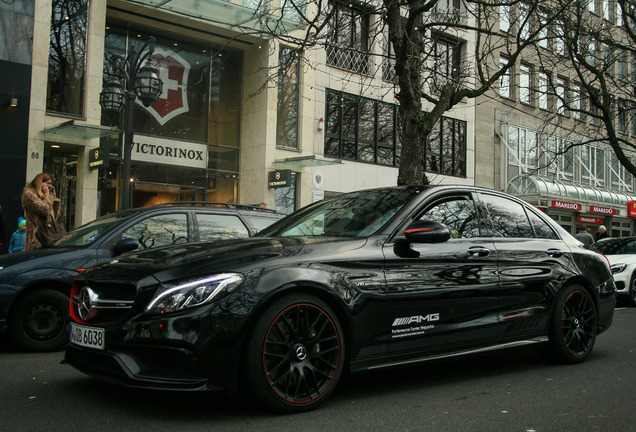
[[573, 327], [295, 355], [38, 322], [631, 297]]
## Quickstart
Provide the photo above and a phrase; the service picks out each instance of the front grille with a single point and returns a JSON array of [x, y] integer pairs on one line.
[[102, 303]]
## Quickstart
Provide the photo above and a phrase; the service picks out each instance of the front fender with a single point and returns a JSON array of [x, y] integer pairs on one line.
[[13, 288]]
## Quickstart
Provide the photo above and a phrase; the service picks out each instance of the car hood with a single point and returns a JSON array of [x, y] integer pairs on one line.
[[172, 262], [46, 258]]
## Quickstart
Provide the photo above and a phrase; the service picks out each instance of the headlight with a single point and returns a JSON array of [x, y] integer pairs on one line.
[[617, 268], [192, 293]]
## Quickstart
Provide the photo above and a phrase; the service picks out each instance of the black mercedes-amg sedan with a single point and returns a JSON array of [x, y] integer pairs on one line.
[[360, 281]]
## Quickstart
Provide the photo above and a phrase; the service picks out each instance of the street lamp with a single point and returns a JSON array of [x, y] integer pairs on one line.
[[129, 81]]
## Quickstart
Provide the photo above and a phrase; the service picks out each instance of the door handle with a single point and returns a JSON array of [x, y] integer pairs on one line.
[[479, 251], [555, 253]]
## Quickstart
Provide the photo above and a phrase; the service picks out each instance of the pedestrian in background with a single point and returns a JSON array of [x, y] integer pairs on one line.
[[601, 234], [16, 244], [584, 236], [40, 206]]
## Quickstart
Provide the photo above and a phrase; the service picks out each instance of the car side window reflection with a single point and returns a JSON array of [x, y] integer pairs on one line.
[[161, 230], [507, 218], [216, 227], [458, 214], [541, 228]]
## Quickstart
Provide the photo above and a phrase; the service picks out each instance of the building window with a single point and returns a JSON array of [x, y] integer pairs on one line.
[[447, 58], [544, 37], [445, 148], [632, 120], [559, 33], [607, 12], [522, 148], [619, 14], [559, 157], [525, 84], [621, 178], [591, 6], [504, 18], [360, 129], [505, 90], [561, 96], [621, 118], [576, 102], [67, 53], [542, 89], [288, 93], [348, 44], [621, 65], [525, 24], [593, 166]]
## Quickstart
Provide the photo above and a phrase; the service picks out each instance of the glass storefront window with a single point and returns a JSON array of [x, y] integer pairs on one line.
[[67, 53], [200, 103]]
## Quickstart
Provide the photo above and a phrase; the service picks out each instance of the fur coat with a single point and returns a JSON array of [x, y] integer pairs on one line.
[[36, 209]]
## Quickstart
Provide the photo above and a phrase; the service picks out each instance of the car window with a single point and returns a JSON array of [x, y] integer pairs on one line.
[[541, 227], [507, 218], [458, 213], [617, 247], [217, 226], [87, 234], [260, 222], [355, 214], [160, 230]]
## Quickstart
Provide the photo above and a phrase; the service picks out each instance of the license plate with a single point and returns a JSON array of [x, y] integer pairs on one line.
[[91, 337]]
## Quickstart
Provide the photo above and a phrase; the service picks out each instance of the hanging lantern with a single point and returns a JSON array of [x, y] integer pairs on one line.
[[148, 86], [112, 97]]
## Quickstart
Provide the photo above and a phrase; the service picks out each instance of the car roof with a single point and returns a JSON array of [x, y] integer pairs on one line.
[[188, 205]]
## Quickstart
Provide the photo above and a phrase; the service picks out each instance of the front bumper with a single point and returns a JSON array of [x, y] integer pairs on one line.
[[158, 368]]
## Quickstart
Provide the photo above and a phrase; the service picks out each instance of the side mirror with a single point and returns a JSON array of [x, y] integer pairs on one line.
[[125, 245], [424, 231]]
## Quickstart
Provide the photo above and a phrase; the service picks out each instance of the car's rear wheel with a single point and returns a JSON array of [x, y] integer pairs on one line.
[[573, 326], [631, 297], [38, 321], [295, 354]]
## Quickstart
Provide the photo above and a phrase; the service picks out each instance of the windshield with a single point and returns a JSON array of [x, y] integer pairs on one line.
[[617, 247], [356, 214], [87, 234]]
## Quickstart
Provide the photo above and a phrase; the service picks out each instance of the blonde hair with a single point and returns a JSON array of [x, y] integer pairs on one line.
[[36, 183]]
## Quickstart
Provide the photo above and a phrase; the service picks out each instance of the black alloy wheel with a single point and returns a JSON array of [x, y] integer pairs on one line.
[[38, 321], [573, 327], [296, 354], [631, 299]]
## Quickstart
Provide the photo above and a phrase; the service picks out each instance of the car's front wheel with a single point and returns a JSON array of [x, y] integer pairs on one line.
[[573, 326], [38, 321], [295, 354]]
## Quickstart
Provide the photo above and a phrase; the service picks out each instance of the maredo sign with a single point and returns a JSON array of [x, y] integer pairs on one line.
[[602, 210], [631, 208], [567, 205]]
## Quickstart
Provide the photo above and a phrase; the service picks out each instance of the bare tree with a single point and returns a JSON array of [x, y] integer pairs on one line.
[[435, 53], [593, 45]]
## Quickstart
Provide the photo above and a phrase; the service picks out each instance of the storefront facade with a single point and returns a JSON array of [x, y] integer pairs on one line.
[[216, 132]]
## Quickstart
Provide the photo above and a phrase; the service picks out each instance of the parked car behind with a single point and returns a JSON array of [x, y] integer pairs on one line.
[[355, 282], [621, 253], [35, 285]]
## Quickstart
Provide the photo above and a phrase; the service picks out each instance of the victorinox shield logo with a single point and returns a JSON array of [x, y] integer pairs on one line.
[[173, 71]]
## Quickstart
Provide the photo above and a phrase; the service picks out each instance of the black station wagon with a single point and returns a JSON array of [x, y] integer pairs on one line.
[[360, 281]]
